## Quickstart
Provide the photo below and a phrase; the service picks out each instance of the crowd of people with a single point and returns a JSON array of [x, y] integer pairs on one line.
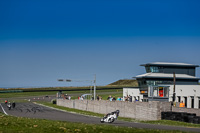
[[129, 98], [110, 98]]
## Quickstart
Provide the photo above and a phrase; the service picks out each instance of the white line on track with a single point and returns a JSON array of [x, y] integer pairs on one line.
[[3, 109]]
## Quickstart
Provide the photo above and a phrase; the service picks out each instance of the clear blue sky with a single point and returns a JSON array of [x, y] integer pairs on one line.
[[41, 41]]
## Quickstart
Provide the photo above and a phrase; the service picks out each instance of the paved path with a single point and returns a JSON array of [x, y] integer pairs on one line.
[[36, 111]]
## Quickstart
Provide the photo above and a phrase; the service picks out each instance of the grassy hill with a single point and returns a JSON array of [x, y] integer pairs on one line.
[[115, 85], [125, 82]]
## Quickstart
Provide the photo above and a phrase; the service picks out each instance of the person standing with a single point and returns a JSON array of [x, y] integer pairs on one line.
[[182, 104], [114, 99]]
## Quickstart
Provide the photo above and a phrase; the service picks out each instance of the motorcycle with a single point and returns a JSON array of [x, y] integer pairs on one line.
[[110, 117], [9, 106]]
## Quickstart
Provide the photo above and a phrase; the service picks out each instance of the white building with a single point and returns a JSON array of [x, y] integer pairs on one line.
[[163, 79]]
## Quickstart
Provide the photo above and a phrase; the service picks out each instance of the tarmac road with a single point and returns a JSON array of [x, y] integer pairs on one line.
[[32, 110]]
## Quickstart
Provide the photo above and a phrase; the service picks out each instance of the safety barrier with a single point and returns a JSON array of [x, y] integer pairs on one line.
[[181, 116]]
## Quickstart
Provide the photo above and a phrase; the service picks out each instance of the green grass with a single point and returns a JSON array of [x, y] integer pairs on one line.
[[25, 94], [78, 93], [172, 123], [64, 88], [11, 124], [125, 83], [158, 122]]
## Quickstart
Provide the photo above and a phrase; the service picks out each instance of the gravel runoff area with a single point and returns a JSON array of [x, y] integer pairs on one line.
[[32, 110]]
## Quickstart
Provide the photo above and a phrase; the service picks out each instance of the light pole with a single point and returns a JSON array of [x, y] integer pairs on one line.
[[93, 81], [94, 86]]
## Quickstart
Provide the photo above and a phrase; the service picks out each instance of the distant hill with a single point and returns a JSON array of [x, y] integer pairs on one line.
[[125, 82]]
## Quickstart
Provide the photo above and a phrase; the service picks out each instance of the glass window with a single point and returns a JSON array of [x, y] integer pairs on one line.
[[154, 69], [148, 70], [159, 91], [166, 90]]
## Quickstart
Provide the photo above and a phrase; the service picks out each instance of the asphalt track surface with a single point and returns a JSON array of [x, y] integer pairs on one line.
[[32, 110]]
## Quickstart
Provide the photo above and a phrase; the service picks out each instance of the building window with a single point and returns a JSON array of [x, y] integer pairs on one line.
[[148, 69], [185, 98], [192, 102], [179, 99], [199, 102], [156, 91], [154, 69]]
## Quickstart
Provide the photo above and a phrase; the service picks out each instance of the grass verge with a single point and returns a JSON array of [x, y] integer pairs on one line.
[[10, 124]]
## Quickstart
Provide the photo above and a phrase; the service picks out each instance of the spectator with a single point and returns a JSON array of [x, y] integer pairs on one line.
[[114, 99], [182, 104], [69, 97], [98, 97], [130, 98], [125, 98], [109, 97], [119, 99]]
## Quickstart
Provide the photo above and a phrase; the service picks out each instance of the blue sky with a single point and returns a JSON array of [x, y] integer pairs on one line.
[[41, 41]]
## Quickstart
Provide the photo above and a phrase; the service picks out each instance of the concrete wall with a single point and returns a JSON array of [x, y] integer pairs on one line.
[[137, 110]]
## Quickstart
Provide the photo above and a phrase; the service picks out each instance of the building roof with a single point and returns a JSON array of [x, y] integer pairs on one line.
[[166, 75], [169, 64]]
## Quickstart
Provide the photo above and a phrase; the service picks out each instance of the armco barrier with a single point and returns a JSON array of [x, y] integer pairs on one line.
[[137, 110]]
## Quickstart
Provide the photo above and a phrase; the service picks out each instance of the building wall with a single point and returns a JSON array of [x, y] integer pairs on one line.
[[182, 91], [137, 110], [187, 91]]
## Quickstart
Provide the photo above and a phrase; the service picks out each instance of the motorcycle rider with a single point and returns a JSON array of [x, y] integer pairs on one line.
[[9, 106]]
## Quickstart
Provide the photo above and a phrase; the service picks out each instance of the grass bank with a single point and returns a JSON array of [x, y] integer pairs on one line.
[[10, 124]]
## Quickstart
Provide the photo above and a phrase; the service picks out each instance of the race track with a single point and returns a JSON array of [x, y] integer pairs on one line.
[[32, 110]]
